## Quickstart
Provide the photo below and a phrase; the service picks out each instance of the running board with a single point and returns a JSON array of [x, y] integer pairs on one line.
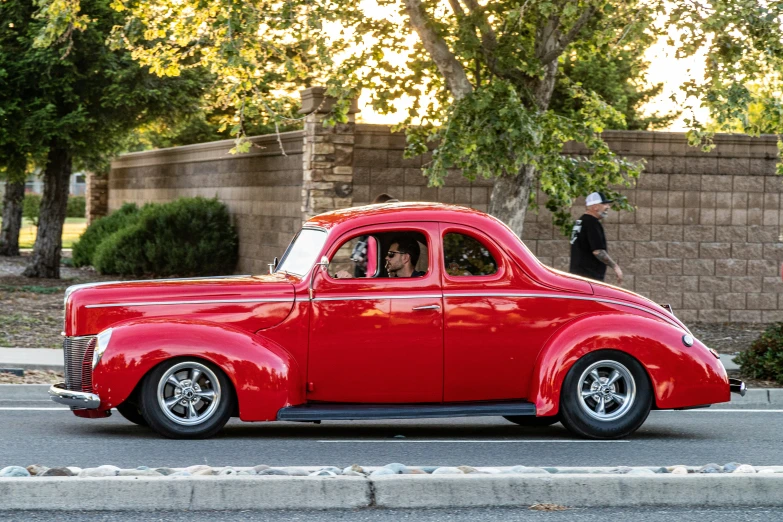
[[319, 411]]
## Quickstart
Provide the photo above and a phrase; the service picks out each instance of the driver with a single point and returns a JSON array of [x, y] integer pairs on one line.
[[401, 259]]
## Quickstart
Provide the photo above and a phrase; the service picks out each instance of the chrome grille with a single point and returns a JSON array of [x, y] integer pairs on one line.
[[78, 370]]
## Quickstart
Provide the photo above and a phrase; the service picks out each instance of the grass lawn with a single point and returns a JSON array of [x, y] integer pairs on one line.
[[73, 228]]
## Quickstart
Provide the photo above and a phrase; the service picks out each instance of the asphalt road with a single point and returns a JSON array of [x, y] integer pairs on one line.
[[35, 430]]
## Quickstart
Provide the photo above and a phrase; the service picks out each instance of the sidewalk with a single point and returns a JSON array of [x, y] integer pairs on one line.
[[52, 359], [32, 358]]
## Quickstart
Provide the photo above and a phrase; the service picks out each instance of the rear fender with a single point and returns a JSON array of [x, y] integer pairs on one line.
[[264, 375], [680, 376]]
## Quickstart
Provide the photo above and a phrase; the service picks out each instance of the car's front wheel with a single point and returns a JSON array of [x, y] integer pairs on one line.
[[605, 395], [186, 399], [131, 412]]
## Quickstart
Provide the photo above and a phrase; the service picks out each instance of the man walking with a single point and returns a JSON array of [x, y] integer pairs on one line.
[[588, 242]]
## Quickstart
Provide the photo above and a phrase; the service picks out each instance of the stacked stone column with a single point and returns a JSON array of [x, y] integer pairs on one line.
[[97, 196], [327, 177]]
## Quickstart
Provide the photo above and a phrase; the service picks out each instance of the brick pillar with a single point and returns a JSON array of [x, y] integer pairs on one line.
[[327, 182], [97, 197]]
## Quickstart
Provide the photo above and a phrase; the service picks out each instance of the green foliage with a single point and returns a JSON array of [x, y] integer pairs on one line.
[[33, 289], [99, 230], [186, 237], [31, 207], [764, 358], [77, 207]]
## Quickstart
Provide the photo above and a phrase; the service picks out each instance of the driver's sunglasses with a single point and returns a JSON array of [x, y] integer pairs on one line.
[[391, 253]]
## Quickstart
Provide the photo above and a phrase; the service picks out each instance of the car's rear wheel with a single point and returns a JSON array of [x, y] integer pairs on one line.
[[605, 395], [532, 421], [130, 410], [186, 399]]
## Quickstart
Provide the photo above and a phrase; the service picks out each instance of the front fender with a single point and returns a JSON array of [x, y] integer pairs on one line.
[[680, 376], [264, 375]]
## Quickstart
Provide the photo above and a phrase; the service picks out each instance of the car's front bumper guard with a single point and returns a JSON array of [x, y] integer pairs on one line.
[[737, 386], [75, 399]]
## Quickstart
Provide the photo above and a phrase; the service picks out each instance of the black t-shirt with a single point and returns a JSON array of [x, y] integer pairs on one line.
[[587, 236]]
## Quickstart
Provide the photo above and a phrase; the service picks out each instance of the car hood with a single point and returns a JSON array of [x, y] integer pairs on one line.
[[247, 302]]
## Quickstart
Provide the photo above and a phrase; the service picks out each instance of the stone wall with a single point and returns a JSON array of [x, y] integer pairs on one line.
[[262, 188], [96, 196], [705, 238]]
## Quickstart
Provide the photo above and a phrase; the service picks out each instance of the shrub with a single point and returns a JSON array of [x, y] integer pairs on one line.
[[764, 358], [99, 230], [77, 207], [186, 237], [31, 207]]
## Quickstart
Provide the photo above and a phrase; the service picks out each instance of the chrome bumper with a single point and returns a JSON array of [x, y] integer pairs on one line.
[[74, 399], [737, 386]]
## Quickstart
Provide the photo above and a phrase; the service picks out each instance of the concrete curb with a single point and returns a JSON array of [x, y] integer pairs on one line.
[[395, 491], [32, 358]]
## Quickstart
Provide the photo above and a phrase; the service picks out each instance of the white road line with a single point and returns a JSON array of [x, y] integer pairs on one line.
[[33, 409], [476, 441], [724, 410]]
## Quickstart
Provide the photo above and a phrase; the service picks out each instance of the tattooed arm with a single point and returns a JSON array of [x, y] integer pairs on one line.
[[603, 256]]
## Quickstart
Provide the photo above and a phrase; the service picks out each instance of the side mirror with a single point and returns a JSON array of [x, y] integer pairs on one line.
[[273, 266], [324, 265]]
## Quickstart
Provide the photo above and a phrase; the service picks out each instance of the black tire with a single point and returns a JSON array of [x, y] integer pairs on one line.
[[199, 417], [531, 421], [582, 396], [131, 412]]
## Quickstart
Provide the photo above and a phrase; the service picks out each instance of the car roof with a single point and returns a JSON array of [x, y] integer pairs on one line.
[[401, 211]]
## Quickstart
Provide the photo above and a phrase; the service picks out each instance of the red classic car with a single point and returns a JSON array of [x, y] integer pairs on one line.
[[478, 327]]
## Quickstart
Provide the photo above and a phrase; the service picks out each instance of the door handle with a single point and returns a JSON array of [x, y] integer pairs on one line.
[[428, 307]]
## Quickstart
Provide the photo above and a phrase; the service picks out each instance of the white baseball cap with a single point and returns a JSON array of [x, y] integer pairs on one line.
[[596, 198]]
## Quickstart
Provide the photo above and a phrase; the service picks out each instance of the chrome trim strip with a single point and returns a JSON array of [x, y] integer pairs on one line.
[[71, 289], [74, 399], [379, 296], [203, 301], [573, 297]]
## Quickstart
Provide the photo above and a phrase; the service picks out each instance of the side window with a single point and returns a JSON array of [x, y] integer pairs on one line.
[[357, 257], [382, 254], [466, 256]]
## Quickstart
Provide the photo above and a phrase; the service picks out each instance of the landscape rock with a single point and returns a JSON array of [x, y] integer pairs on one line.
[[14, 471], [350, 473], [731, 466], [526, 471], [711, 468], [197, 468], [227, 472], [428, 469], [744, 468], [354, 468], [323, 473], [182, 473], [296, 472], [273, 471], [382, 471], [139, 473], [679, 470], [57, 472], [166, 471], [446, 470], [641, 471], [467, 469], [260, 467], [397, 467], [36, 469], [74, 469]]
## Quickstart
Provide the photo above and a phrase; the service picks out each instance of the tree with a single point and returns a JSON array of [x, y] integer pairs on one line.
[[15, 177], [77, 98], [495, 87]]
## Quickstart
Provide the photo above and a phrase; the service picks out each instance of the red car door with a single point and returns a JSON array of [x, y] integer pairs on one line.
[[494, 322], [378, 339]]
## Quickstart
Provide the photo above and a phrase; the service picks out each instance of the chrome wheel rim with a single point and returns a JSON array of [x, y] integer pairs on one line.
[[189, 393], [607, 390]]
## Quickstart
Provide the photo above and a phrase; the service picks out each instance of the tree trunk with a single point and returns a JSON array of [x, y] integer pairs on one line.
[[45, 262], [509, 198], [12, 217]]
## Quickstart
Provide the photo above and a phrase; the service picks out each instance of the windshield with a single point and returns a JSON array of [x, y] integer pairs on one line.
[[302, 251]]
